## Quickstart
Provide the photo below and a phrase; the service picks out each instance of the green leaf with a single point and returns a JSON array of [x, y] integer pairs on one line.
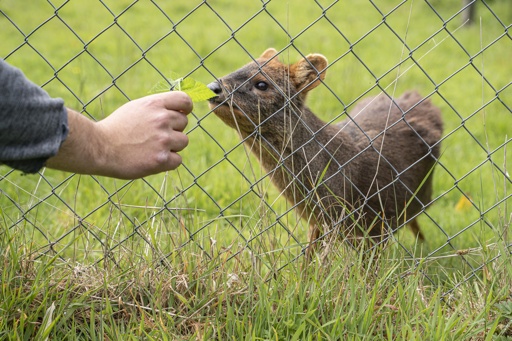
[[197, 91]]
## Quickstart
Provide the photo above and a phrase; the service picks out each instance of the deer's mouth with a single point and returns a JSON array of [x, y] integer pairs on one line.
[[224, 108], [231, 115], [220, 102], [215, 101]]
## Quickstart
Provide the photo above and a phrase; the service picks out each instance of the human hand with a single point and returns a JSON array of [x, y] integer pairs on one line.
[[140, 138], [143, 136]]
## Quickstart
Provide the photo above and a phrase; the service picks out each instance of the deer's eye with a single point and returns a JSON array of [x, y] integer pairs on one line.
[[262, 86]]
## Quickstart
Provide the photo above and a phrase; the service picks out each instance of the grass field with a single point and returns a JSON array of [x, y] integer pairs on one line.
[[212, 251]]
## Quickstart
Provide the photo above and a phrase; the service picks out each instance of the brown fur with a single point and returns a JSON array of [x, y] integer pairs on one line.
[[368, 174]]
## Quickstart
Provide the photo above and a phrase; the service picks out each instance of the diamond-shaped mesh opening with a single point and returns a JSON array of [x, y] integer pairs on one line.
[[404, 21], [468, 82], [162, 57], [427, 57], [25, 21], [260, 24], [134, 90], [346, 19], [154, 20], [12, 30], [75, 79], [90, 27], [111, 42], [490, 14], [372, 44], [233, 18], [39, 40], [42, 71], [491, 59], [347, 68]]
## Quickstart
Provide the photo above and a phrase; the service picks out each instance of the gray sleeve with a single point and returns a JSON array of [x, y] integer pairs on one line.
[[32, 124]]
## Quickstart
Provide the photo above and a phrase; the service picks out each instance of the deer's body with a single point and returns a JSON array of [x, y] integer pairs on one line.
[[370, 173]]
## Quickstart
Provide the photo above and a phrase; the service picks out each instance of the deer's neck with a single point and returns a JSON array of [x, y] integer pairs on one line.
[[300, 148]]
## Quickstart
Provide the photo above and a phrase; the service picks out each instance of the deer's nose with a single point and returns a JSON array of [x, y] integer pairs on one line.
[[215, 87]]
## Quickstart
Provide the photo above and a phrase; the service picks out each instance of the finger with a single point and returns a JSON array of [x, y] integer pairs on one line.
[[174, 160], [178, 121], [166, 160], [178, 101], [179, 141]]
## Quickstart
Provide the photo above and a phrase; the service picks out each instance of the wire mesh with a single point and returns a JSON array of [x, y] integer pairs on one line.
[[221, 204]]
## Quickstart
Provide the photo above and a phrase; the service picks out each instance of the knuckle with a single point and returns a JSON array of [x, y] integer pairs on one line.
[[179, 141], [184, 141], [183, 121], [165, 140], [166, 160], [178, 120], [154, 101], [185, 101]]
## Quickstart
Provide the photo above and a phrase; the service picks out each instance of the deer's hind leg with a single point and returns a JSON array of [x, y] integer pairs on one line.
[[415, 228], [313, 239]]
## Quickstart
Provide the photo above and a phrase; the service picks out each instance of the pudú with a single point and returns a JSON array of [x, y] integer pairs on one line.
[[366, 175]]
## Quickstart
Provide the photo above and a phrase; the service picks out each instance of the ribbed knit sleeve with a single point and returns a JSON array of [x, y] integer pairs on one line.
[[32, 124]]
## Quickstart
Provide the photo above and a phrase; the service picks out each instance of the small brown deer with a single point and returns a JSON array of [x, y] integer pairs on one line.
[[368, 174]]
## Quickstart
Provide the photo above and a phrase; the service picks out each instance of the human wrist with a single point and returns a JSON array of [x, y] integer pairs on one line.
[[84, 149], [99, 150]]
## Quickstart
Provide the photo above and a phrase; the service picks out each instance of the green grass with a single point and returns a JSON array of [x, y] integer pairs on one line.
[[197, 253]]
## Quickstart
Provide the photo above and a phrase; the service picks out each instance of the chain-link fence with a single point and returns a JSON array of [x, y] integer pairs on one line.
[[221, 205]]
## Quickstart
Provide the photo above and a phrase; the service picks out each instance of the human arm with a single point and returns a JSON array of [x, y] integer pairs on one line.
[[139, 139]]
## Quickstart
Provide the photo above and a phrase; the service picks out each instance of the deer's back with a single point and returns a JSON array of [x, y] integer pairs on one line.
[[375, 115], [397, 145]]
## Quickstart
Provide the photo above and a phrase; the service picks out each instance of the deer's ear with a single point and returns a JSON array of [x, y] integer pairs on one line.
[[269, 53], [309, 72]]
